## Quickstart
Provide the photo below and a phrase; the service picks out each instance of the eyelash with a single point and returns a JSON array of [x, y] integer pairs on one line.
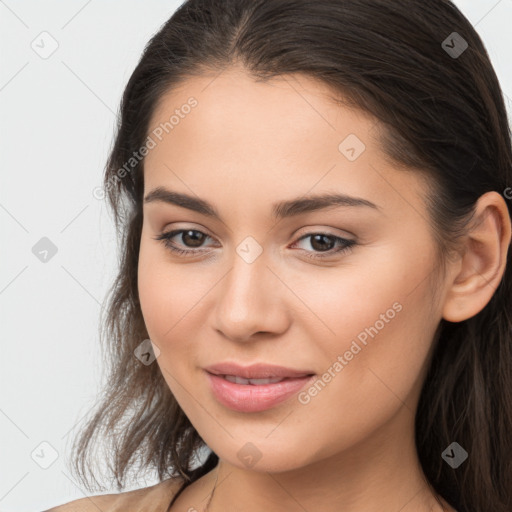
[[165, 239]]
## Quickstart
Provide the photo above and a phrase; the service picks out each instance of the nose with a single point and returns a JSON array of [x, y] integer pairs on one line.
[[251, 300]]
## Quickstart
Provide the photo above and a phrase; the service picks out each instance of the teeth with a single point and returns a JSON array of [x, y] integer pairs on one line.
[[256, 382]]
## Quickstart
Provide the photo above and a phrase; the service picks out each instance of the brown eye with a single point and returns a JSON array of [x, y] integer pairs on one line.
[[192, 240], [325, 243], [322, 242], [191, 236]]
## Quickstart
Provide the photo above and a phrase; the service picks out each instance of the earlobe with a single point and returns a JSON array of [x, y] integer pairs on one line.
[[483, 263]]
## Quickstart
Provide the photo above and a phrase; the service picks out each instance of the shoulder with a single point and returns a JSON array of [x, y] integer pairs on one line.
[[155, 498]]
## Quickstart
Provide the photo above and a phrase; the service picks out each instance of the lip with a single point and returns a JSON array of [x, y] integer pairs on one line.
[[255, 398], [256, 371]]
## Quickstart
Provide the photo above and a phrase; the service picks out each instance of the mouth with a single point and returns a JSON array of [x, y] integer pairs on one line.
[[235, 379], [255, 395], [255, 372]]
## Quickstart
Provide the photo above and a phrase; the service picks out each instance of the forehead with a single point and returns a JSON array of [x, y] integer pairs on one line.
[[263, 140], [285, 116]]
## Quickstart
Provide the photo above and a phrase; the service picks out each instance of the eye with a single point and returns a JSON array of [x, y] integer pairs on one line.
[[193, 238], [324, 242]]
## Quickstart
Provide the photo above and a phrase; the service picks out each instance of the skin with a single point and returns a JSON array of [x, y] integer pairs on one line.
[[245, 146]]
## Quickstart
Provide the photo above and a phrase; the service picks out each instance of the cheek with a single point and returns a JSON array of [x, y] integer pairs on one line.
[[163, 291], [380, 335], [151, 289], [374, 370], [164, 301], [172, 299]]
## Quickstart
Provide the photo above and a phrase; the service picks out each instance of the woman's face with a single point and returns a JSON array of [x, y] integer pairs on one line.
[[261, 288]]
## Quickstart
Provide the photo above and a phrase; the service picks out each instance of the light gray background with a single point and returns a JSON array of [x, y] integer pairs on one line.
[[57, 124]]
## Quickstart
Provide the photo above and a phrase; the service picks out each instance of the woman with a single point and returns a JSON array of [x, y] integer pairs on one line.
[[315, 282]]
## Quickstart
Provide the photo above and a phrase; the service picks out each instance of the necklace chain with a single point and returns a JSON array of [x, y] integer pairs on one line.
[[209, 499], [213, 490]]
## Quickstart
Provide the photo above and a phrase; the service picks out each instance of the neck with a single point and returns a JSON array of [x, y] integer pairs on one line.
[[381, 474]]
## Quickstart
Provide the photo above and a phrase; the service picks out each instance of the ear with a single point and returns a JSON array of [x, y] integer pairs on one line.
[[483, 260]]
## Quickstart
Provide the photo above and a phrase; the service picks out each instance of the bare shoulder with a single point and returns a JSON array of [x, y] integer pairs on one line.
[[155, 498]]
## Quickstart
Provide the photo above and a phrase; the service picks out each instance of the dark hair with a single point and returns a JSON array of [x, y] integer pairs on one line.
[[443, 116]]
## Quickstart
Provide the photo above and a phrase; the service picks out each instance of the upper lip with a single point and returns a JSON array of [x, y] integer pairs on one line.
[[256, 371]]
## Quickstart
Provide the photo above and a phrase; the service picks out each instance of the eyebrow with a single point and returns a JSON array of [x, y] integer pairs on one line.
[[280, 210]]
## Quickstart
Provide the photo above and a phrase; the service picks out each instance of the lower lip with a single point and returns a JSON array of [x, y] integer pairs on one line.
[[250, 398]]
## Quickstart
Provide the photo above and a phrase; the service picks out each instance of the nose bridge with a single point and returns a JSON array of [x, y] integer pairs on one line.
[[246, 283], [249, 296]]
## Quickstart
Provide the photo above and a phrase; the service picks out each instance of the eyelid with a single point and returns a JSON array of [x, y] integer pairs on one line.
[[347, 243], [297, 235], [305, 230], [314, 229], [187, 226]]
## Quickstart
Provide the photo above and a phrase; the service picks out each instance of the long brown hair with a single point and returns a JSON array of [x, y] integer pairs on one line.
[[443, 115]]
